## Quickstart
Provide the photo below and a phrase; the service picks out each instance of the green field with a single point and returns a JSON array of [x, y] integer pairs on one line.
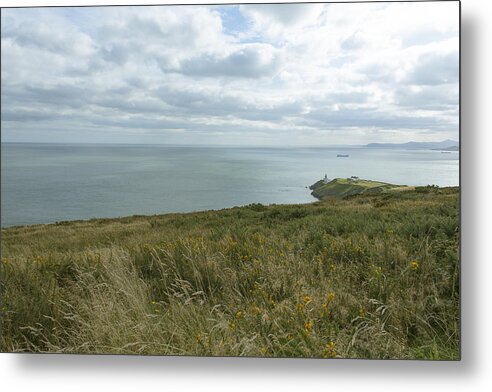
[[342, 187], [366, 276]]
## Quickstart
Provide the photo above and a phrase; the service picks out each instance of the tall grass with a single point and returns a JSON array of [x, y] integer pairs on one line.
[[372, 276]]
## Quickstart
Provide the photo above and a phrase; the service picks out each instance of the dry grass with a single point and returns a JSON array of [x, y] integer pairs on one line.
[[372, 276]]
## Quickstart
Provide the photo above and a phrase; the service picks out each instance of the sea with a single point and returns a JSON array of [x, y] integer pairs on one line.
[[46, 183]]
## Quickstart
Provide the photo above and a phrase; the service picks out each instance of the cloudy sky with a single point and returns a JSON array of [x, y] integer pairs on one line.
[[300, 74]]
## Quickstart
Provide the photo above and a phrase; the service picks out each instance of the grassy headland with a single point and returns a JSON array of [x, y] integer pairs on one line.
[[342, 187], [373, 275]]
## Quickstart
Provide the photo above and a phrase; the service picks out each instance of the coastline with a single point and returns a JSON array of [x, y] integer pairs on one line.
[[149, 216], [316, 200]]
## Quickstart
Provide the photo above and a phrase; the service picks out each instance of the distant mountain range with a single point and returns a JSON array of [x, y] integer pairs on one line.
[[444, 145]]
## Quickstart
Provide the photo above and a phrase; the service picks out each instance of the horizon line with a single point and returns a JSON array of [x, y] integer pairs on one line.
[[229, 145]]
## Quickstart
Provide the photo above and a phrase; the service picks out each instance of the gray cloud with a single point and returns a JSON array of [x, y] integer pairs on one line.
[[249, 61], [355, 41], [435, 69], [23, 115], [433, 98], [117, 54], [217, 103], [369, 118]]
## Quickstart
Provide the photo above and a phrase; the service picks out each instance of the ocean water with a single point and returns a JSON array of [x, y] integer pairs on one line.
[[44, 183]]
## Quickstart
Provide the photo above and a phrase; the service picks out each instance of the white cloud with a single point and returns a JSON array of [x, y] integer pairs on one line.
[[333, 73]]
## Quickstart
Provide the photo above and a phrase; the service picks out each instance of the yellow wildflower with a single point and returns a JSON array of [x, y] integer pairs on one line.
[[377, 271], [330, 297], [414, 265], [330, 350], [308, 326], [307, 299], [239, 314]]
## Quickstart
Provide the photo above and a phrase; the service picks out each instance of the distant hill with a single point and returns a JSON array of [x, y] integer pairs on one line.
[[445, 144]]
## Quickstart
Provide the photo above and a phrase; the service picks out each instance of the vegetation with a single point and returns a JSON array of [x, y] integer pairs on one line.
[[342, 187], [368, 276]]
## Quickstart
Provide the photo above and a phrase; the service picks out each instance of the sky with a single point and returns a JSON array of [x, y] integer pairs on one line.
[[264, 74]]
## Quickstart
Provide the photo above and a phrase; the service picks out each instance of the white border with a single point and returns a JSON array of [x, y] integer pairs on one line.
[[473, 373]]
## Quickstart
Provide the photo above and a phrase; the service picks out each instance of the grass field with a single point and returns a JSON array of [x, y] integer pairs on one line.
[[342, 187], [369, 276]]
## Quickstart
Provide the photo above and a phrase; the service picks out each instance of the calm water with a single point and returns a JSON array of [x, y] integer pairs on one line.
[[44, 183]]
